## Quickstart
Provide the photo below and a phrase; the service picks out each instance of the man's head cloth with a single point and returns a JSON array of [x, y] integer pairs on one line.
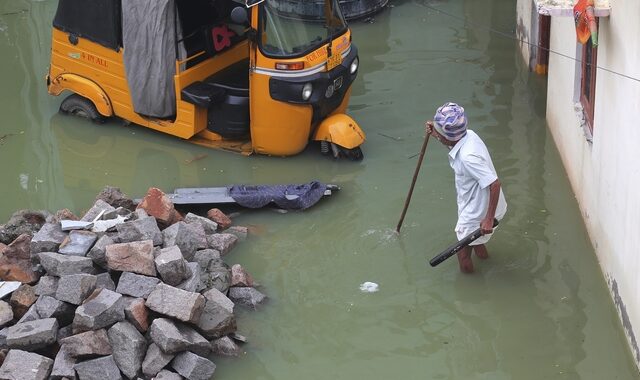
[[450, 121]]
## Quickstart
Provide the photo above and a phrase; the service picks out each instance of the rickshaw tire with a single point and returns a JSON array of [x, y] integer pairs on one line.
[[354, 154], [78, 105]]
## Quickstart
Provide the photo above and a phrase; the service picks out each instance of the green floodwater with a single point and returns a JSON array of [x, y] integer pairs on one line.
[[538, 309]]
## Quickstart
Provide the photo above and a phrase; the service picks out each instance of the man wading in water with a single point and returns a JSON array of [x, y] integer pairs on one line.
[[480, 198]]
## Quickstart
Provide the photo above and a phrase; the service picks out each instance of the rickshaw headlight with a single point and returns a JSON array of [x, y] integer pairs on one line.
[[354, 66], [307, 90]]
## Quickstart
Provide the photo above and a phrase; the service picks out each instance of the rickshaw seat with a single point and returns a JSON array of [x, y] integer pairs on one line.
[[202, 94]]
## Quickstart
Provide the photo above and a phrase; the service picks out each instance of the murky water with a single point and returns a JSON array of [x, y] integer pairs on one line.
[[538, 309]]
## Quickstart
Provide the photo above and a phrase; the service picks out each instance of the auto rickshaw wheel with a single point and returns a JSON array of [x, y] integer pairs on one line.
[[354, 154], [77, 105]]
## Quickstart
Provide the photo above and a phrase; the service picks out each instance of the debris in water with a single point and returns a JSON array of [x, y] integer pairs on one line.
[[3, 138], [390, 137], [369, 287], [195, 158], [24, 181]]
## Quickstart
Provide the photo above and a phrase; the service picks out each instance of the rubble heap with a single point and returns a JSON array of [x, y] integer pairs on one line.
[[125, 291]]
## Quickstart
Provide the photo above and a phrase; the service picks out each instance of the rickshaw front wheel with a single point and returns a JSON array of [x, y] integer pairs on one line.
[[77, 105], [337, 151], [354, 154]]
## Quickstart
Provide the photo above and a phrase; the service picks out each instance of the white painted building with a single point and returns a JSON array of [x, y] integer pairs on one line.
[[601, 153]]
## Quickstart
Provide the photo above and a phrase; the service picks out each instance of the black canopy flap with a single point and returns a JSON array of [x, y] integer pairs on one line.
[[95, 20]]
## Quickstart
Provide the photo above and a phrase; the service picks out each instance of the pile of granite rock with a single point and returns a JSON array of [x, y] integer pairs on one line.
[[127, 291]]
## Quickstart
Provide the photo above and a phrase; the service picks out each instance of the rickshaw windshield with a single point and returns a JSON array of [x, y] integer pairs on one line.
[[288, 32]]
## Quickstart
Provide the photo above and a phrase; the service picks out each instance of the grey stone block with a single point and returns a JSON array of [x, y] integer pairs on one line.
[[188, 237], [49, 307], [22, 365], [168, 375], [173, 337], [56, 264], [241, 232], [207, 258], [48, 239], [176, 303], [103, 368], [30, 315], [136, 257], [63, 366], [6, 313], [225, 346], [97, 252], [137, 313], [78, 243], [33, 335], [3, 338], [193, 367], [217, 318], [136, 285], [171, 265], [75, 288], [223, 242], [218, 276], [47, 286], [64, 332], [192, 283], [88, 344], [140, 229], [208, 225], [130, 348], [155, 360], [104, 310], [104, 281], [98, 207], [246, 296]]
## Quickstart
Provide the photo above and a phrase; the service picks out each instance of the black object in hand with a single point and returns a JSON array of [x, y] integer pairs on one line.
[[453, 249]]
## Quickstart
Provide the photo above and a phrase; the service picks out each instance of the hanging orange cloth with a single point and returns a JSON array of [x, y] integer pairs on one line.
[[585, 19]]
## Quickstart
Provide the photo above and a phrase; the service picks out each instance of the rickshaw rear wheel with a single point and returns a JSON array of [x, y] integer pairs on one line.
[[77, 105]]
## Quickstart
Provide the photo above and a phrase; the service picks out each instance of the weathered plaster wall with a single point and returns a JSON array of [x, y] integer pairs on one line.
[[526, 30], [605, 175]]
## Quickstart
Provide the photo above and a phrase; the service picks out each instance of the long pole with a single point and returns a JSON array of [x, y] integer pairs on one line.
[[413, 182]]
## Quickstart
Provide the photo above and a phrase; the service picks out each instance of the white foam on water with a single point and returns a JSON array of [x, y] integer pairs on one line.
[[369, 287]]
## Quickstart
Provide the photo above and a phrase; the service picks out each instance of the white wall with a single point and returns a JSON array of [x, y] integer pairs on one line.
[[605, 175]]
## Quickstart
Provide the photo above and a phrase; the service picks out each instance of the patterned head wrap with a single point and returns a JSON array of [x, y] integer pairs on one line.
[[450, 121]]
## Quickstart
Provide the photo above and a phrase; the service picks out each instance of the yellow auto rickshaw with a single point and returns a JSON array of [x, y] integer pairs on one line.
[[248, 77]]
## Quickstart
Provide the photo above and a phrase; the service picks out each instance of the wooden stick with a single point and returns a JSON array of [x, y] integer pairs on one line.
[[413, 182]]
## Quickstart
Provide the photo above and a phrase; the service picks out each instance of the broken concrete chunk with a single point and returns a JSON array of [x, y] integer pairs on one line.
[[140, 229], [192, 282], [47, 286], [72, 225], [170, 264], [8, 287], [134, 257], [22, 299], [177, 303], [75, 288], [6, 314], [102, 311], [130, 348], [48, 239], [188, 237], [99, 208], [246, 296], [209, 226], [155, 360], [97, 252], [225, 346], [104, 368], [21, 365], [87, 344], [222, 243], [63, 366], [217, 318], [173, 337], [33, 335], [59, 265], [240, 277], [49, 307], [136, 285], [193, 367], [137, 313]]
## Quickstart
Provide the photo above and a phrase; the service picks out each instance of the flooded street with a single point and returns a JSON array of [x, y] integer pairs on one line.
[[539, 308]]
